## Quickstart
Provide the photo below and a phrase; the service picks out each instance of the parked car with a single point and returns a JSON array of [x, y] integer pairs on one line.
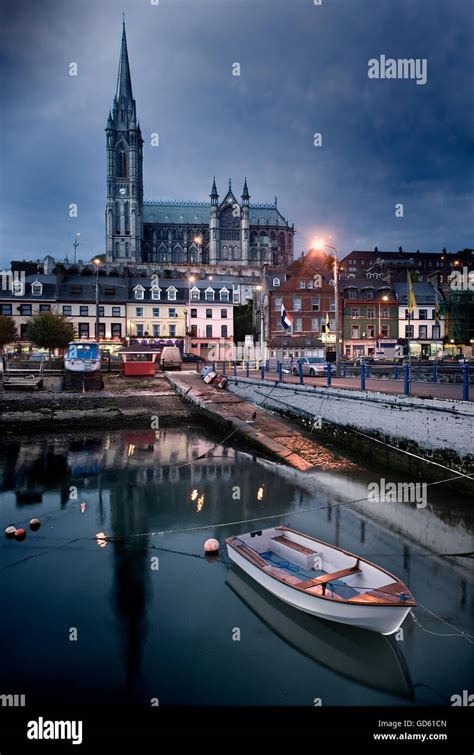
[[193, 358], [312, 366], [170, 358], [379, 356]]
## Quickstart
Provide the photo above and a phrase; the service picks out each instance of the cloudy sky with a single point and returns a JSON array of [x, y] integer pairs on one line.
[[303, 71]]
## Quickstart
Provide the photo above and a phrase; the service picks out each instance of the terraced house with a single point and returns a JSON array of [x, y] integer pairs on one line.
[[370, 315]]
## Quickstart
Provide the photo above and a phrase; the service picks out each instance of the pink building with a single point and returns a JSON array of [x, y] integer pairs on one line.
[[210, 320]]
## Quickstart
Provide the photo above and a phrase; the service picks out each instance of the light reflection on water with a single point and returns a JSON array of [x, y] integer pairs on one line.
[[166, 632]]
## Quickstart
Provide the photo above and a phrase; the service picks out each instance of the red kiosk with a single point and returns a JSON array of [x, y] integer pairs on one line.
[[138, 360]]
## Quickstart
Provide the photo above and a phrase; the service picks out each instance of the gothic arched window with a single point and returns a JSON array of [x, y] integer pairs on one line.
[[121, 163], [126, 212]]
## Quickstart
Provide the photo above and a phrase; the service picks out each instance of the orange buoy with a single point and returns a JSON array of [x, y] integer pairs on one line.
[[35, 524], [20, 534], [211, 545], [10, 531]]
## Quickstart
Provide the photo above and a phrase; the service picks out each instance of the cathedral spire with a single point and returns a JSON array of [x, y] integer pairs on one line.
[[124, 80], [245, 191]]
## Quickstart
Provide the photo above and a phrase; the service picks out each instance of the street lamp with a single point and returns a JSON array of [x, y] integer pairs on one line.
[[260, 293], [319, 245], [96, 261], [379, 331], [191, 279]]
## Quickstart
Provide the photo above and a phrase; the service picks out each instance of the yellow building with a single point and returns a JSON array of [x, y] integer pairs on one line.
[[158, 311]]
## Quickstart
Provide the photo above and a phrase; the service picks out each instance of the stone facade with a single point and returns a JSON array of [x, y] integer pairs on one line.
[[231, 230]]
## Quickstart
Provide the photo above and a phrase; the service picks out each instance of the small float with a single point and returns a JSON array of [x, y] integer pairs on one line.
[[322, 580]]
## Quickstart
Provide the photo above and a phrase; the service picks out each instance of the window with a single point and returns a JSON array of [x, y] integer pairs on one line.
[[194, 330], [84, 311], [352, 293], [315, 303], [278, 303], [422, 314], [355, 312], [172, 312], [209, 294], [156, 294], [101, 312], [25, 309], [195, 294], [139, 329], [139, 292], [172, 331], [36, 288], [67, 309], [44, 307], [298, 324], [236, 297], [370, 331], [315, 324], [115, 311], [223, 314], [208, 331], [276, 282], [83, 330], [309, 284], [171, 291], [370, 313], [332, 306], [385, 312], [368, 293], [423, 331], [208, 313], [296, 304], [436, 331], [138, 311], [355, 331], [156, 331], [6, 309], [194, 313], [409, 329], [224, 294], [101, 330], [116, 330], [223, 331], [156, 311], [302, 284], [384, 331]]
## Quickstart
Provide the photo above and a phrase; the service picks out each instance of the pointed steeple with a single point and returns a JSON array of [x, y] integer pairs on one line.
[[245, 192], [124, 80], [230, 184], [214, 195]]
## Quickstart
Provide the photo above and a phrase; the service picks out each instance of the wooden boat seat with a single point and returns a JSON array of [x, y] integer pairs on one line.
[[386, 594], [283, 576], [325, 578], [291, 544], [250, 554]]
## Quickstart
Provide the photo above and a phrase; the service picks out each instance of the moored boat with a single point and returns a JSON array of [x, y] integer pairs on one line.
[[322, 580]]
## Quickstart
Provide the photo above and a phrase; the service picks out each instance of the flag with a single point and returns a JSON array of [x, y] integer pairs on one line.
[[410, 295], [286, 320], [326, 324], [437, 309]]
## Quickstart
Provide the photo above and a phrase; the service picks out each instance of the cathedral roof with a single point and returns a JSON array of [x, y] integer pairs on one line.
[[198, 213]]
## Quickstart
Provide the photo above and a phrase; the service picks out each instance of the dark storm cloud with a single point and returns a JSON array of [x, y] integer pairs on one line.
[[303, 70]]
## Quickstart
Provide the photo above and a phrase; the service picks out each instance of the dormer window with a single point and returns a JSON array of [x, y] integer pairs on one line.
[[195, 294], [302, 284], [224, 294], [276, 281], [155, 293], [36, 288], [172, 291], [209, 294], [139, 292]]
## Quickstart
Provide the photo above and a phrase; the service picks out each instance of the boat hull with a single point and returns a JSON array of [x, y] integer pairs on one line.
[[383, 619]]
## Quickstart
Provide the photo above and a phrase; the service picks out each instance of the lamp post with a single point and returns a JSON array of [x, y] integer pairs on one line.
[[96, 262], [320, 244], [191, 280], [379, 329], [260, 293]]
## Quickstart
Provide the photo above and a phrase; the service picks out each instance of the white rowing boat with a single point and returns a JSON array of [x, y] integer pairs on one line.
[[322, 580]]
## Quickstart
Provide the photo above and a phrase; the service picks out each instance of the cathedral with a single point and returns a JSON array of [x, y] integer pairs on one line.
[[230, 230]]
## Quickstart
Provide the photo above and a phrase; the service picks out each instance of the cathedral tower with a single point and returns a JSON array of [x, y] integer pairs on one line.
[[123, 215]]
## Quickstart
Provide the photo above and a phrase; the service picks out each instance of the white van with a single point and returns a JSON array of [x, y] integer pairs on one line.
[[170, 358]]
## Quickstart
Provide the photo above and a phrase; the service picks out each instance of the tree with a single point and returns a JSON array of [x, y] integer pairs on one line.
[[49, 330], [7, 331]]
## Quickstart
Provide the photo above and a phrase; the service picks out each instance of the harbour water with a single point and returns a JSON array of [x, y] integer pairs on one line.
[[145, 617]]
